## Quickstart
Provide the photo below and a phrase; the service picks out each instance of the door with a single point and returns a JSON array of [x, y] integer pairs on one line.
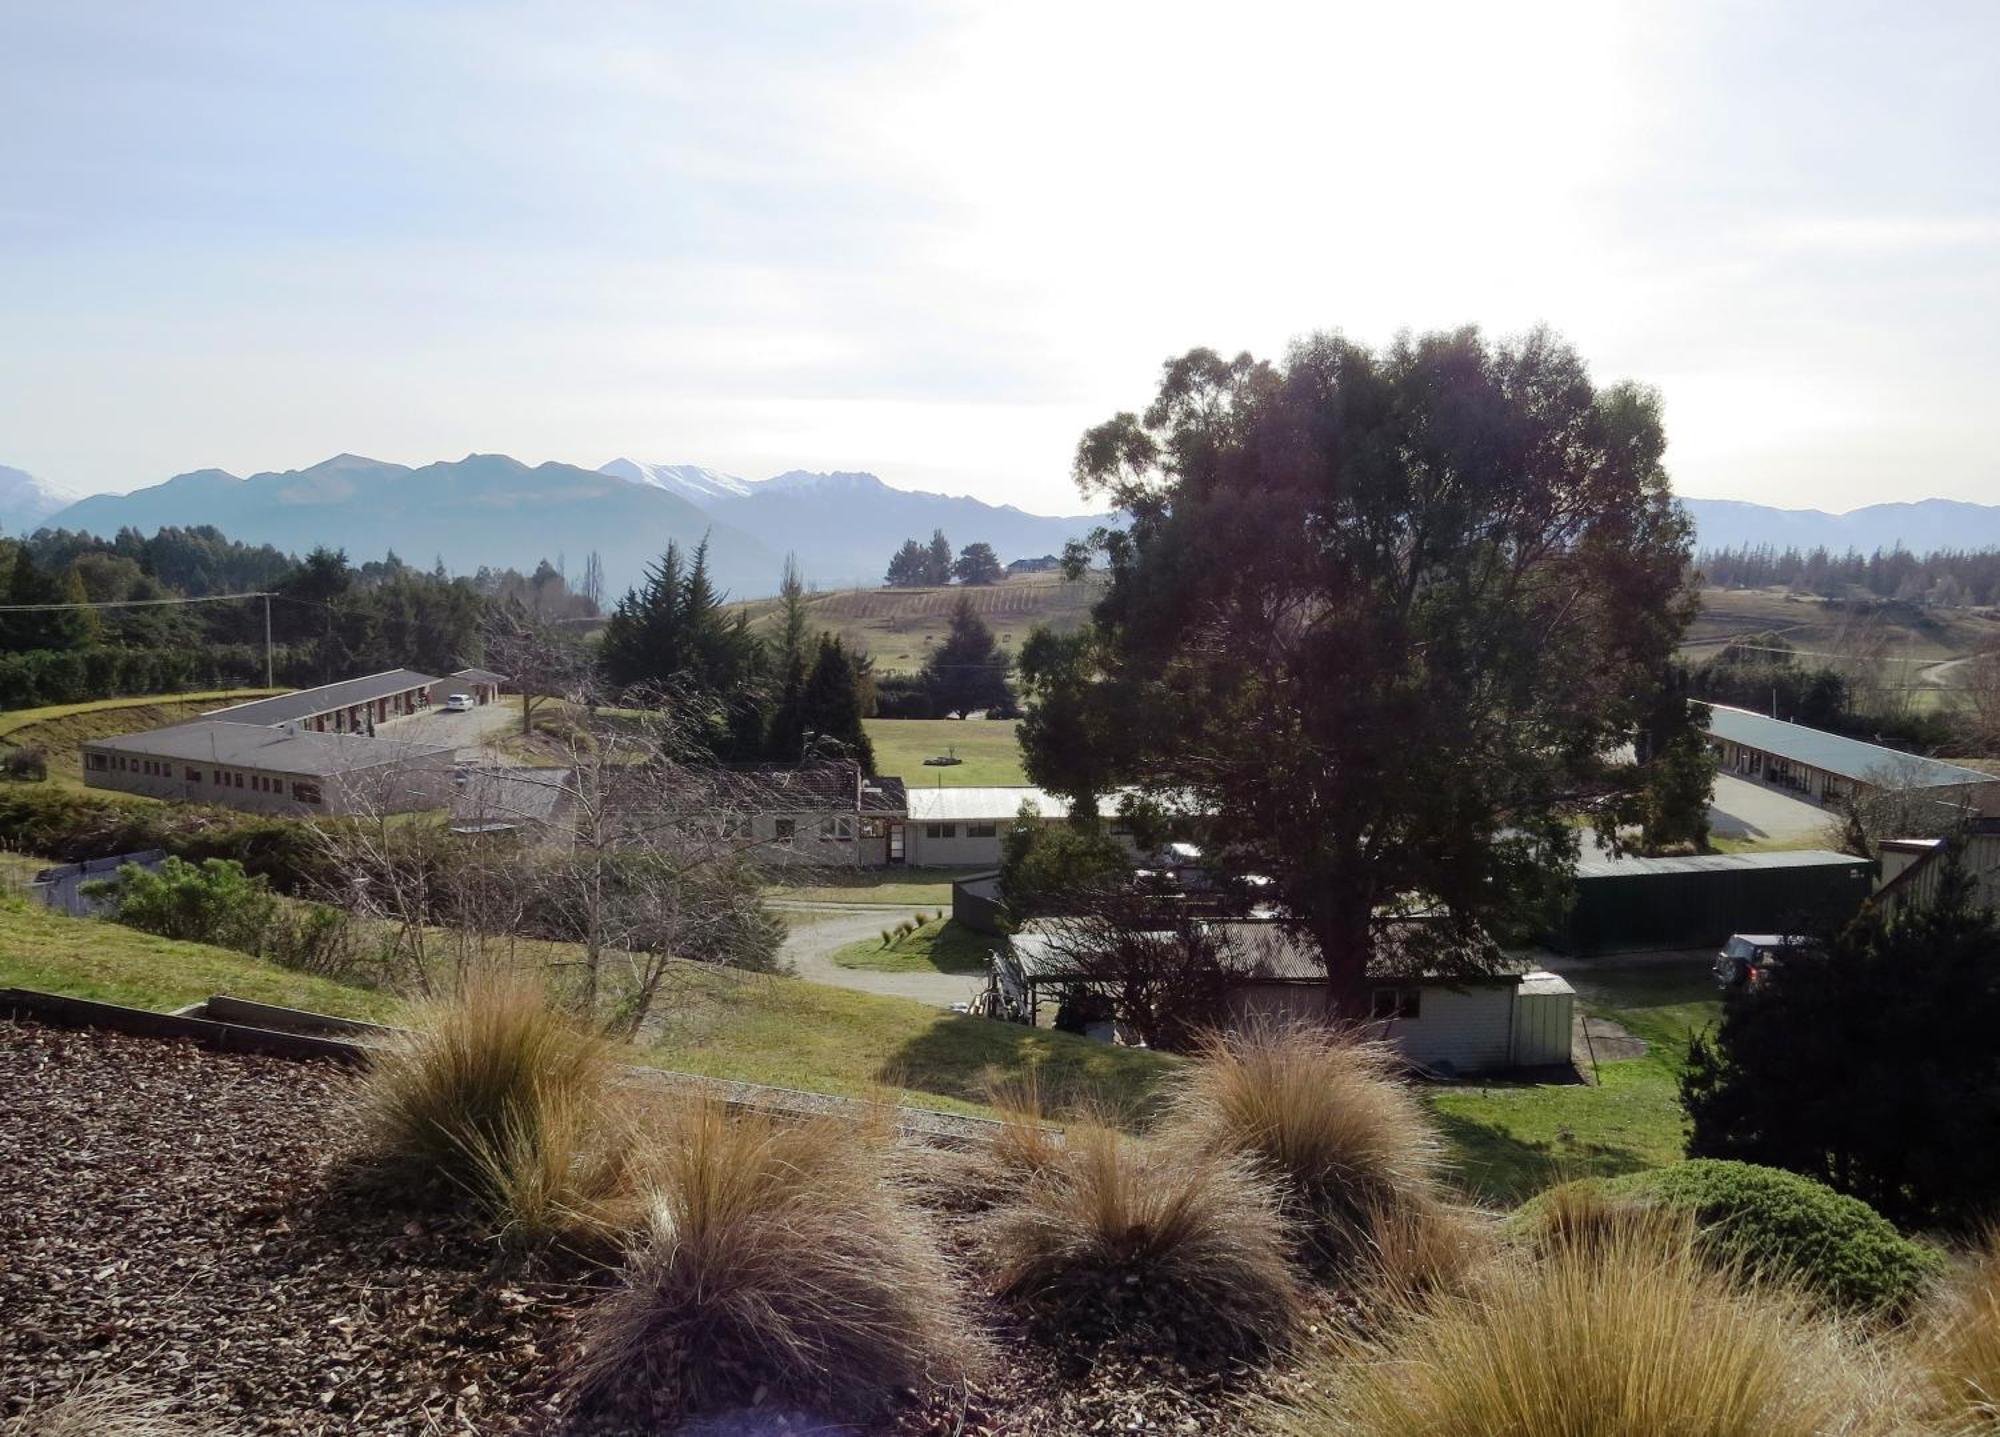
[[895, 843]]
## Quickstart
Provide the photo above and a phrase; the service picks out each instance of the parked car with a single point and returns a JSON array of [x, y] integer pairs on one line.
[[1747, 957], [458, 703]]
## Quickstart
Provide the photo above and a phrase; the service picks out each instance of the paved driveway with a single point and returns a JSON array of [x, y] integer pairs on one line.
[[470, 732], [819, 930], [1749, 810]]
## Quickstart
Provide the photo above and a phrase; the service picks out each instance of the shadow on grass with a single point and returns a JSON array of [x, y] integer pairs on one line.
[[1491, 1164], [969, 1058]]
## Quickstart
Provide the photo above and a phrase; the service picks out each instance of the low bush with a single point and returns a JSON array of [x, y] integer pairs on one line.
[[497, 1094], [1835, 1246], [28, 764], [211, 902], [1957, 1344], [772, 1263], [1629, 1336], [1115, 1236], [1325, 1117]]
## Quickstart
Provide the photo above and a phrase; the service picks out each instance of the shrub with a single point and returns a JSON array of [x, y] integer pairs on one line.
[[1835, 1246], [1630, 1336], [210, 902], [28, 764], [1958, 1344], [1117, 1236], [104, 1409], [771, 1262], [1325, 1117], [495, 1092]]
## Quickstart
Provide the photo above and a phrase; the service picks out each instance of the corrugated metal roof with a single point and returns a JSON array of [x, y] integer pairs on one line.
[[245, 745], [1834, 753], [1604, 866], [304, 703], [992, 805], [478, 676]]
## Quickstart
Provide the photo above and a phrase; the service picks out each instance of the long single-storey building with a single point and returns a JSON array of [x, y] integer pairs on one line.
[[285, 769], [350, 706], [482, 686], [963, 827], [1507, 1021], [1827, 767]]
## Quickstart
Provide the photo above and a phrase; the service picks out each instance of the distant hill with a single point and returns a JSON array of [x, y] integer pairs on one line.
[[844, 526], [26, 501], [1921, 526], [482, 509]]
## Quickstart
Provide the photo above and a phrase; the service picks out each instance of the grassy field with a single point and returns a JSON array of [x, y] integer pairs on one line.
[[62, 729], [873, 887], [940, 946], [721, 1023], [898, 626], [991, 754], [1512, 1140]]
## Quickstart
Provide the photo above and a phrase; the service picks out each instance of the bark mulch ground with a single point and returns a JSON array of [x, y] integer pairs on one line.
[[167, 1220]]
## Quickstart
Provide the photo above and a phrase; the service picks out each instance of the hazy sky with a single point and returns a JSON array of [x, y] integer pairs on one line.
[[937, 240]]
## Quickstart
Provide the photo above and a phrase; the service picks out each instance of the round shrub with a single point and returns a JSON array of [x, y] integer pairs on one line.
[[1766, 1218]]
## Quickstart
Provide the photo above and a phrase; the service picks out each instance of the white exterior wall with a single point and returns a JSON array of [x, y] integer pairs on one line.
[[1542, 1028], [809, 848], [1471, 1029], [961, 851], [405, 787]]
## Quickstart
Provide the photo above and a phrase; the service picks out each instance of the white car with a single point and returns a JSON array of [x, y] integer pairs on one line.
[[458, 703]]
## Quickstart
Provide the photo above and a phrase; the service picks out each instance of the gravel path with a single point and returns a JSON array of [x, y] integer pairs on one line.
[[827, 928], [1746, 809]]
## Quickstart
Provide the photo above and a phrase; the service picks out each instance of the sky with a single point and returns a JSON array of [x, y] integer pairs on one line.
[[938, 240]]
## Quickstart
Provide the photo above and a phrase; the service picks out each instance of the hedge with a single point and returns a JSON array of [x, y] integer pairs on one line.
[[41, 677], [1785, 1224]]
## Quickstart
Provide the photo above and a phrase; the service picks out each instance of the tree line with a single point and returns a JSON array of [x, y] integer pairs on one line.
[[1948, 578], [931, 566]]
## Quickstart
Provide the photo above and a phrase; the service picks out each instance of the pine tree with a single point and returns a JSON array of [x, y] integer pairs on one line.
[[909, 567], [978, 564], [967, 672], [937, 560], [831, 705]]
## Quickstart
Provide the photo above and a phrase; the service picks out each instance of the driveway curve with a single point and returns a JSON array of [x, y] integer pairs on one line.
[[819, 930]]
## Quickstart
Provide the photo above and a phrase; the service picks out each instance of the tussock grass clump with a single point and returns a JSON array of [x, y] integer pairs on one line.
[[1322, 1114], [103, 1409], [1624, 1335], [1957, 1344], [1416, 1248], [772, 1263], [1115, 1235], [498, 1093]]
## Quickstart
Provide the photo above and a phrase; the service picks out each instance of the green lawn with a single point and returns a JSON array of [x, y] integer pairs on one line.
[[992, 757], [720, 1022], [1510, 1140], [940, 946], [60, 730], [881, 887]]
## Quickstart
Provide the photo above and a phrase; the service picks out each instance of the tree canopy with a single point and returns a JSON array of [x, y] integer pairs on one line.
[[1381, 616], [978, 564], [967, 672]]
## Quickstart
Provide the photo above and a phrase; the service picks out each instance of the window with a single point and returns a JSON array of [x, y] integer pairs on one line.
[[239, 780], [194, 775], [219, 776], [735, 825], [1406, 1003], [838, 829], [787, 829], [97, 760], [305, 792], [982, 830], [940, 830]]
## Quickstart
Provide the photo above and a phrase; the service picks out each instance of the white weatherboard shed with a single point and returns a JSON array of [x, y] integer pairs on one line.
[[963, 827], [1502, 1023]]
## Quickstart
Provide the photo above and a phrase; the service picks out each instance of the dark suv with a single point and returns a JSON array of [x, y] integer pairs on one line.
[[1747, 957]]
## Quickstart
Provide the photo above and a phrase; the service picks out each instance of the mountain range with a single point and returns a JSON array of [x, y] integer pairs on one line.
[[494, 510], [1922, 526]]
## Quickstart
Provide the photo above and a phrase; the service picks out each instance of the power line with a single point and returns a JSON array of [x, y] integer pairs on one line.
[[143, 603]]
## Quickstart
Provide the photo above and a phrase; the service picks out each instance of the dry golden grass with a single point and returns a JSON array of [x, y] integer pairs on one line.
[[104, 1409], [1416, 1248], [1622, 1335], [1325, 1117], [1116, 1234], [497, 1092], [1956, 1344], [771, 1259]]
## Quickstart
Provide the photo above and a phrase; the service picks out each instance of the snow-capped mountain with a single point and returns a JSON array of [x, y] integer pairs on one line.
[[844, 525], [25, 500], [689, 481]]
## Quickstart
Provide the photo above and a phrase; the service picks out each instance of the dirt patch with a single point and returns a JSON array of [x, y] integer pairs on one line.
[[1603, 1040]]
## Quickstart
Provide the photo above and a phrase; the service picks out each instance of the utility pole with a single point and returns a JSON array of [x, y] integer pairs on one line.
[[267, 643]]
